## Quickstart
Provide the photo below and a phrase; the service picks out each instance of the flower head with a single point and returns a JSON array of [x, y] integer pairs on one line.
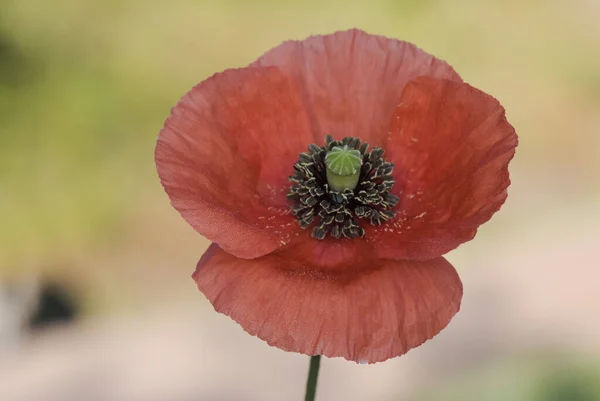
[[331, 175]]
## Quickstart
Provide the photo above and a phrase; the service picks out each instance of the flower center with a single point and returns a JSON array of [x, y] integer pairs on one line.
[[343, 167], [335, 185]]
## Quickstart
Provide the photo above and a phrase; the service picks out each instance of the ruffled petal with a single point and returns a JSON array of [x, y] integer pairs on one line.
[[351, 81], [451, 145], [225, 153], [369, 315]]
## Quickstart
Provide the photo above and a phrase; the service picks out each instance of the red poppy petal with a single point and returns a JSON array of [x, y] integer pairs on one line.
[[225, 153], [331, 255], [451, 145], [352, 80], [378, 314]]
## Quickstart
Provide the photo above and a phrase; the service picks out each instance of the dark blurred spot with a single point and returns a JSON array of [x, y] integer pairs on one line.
[[16, 67], [569, 386], [56, 305]]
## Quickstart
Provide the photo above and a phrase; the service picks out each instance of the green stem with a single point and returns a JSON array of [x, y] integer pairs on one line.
[[313, 374]]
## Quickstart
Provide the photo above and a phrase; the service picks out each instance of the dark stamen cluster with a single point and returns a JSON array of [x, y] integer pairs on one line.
[[334, 212]]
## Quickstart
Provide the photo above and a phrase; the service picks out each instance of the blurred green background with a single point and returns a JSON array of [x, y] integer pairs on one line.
[[85, 86]]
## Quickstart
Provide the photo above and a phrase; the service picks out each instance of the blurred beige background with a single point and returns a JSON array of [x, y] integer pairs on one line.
[[84, 89]]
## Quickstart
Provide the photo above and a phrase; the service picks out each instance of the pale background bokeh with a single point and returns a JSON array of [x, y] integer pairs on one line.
[[84, 89]]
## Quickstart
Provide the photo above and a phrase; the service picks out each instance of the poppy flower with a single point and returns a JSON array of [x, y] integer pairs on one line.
[[331, 175]]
